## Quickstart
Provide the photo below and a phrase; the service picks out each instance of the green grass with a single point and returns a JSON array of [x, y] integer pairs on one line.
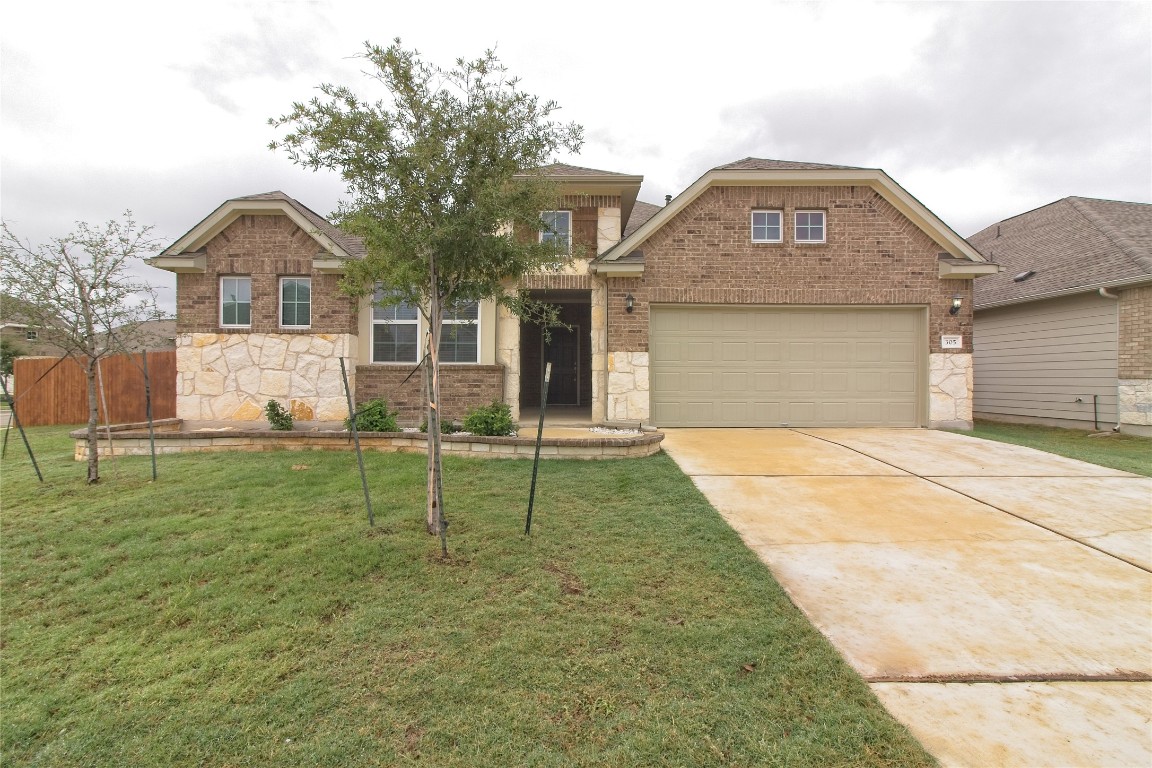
[[240, 611], [1123, 452]]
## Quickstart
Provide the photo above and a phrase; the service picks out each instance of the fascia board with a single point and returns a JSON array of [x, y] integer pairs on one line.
[[179, 264], [968, 271], [879, 181], [617, 269], [218, 220]]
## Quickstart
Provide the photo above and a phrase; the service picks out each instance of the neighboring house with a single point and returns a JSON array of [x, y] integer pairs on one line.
[[151, 336], [15, 328], [1064, 335], [769, 293]]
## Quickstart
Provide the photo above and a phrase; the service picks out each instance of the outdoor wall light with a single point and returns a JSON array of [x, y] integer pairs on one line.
[[629, 303], [957, 300]]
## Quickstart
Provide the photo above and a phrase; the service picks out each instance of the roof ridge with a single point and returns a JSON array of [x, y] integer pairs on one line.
[[1119, 239]]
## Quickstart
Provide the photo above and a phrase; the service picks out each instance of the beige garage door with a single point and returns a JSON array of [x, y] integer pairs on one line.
[[799, 367]]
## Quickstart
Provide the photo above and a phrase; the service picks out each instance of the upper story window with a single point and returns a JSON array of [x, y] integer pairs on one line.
[[31, 335], [809, 226], [767, 226], [236, 302], [557, 226], [395, 331], [460, 334], [295, 302]]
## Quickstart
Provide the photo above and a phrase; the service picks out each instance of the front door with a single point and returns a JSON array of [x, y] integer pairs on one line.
[[563, 351]]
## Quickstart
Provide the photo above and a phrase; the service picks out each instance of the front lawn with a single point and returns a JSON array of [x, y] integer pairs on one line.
[[240, 611], [1107, 449]]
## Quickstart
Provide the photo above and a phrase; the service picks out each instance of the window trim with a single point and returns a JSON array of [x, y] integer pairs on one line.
[[31, 334], [779, 224], [479, 335], [280, 301], [796, 226], [567, 237], [415, 322], [220, 304]]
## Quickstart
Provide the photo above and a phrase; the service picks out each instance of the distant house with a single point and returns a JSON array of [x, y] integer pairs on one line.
[[1063, 336], [151, 336], [23, 336], [768, 293]]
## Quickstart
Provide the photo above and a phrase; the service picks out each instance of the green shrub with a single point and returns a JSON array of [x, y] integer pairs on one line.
[[374, 416], [494, 420], [446, 427], [278, 418]]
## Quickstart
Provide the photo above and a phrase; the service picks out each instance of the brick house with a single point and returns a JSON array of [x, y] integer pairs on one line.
[[1064, 335], [768, 293]]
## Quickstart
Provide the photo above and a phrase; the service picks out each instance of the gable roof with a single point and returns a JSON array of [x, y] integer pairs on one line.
[[1073, 245], [327, 236], [754, 171], [563, 169], [641, 212]]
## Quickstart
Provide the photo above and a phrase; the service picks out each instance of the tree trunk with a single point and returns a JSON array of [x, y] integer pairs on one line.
[[93, 420], [436, 522]]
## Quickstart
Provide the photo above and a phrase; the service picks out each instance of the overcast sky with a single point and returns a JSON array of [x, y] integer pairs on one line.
[[980, 110]]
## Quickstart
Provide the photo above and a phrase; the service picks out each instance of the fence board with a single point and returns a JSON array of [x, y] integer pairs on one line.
[[51, 392]]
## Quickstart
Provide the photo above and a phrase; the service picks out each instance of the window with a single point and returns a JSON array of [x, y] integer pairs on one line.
[[31, 335], [295, 302], [459, 339], [558, 226], [394, 331], [236, 302], [809, 226], [766, 226]]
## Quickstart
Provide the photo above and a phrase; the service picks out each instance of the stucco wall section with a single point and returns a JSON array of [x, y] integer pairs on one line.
[[232, 376], [628, 386], [1135, 405], [950, 391]]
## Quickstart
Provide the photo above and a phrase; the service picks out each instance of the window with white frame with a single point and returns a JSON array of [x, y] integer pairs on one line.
[[31, 335], [767, 226], [809, 226], [460, 334], [395, 331], [236, 302], [557, 226], [295, 302]]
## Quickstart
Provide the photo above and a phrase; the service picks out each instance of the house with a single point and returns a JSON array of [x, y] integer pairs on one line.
[[769, 293], [1064, 335], [20, 333]]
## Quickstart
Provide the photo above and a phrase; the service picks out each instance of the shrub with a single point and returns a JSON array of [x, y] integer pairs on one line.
[[374, 416], [278, 418], [446, 427], [494, 420]]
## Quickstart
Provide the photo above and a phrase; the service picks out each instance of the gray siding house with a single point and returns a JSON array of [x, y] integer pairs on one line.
[[1063, 336]]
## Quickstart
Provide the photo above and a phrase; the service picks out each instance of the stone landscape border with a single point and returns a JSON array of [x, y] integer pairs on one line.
[[132, 440]]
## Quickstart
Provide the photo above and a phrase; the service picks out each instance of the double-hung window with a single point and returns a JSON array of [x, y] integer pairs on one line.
[[236, 302], [767, 226], [395, 331], [31, 335], [557, 226], [460, 334], [809, 226], [295, 302]]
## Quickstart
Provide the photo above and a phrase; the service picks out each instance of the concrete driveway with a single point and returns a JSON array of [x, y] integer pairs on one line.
[[997, 599]]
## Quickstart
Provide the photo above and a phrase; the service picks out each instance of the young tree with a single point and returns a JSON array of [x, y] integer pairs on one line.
[[441, 174], [80, 296]]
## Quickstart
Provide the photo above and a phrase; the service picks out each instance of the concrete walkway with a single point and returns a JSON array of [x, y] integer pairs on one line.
[[997, 599]]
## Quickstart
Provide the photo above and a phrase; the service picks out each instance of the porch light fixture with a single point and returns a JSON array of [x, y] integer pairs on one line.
[[629, 303], [957, 300]]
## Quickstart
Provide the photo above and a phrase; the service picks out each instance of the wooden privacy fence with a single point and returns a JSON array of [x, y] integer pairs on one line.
[[46, 395]]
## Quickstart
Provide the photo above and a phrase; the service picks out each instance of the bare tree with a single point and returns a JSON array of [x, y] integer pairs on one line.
[[80, 295]]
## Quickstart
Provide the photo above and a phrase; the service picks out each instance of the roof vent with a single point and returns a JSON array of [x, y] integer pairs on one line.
[[667, 199], [1023, 276]]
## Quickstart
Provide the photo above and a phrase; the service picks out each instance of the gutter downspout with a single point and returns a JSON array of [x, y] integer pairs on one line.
[[1104, 292]]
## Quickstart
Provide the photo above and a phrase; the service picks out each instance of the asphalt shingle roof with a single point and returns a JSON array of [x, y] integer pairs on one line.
[[1074, 243], [641, 212], [563, 169], [762, 164]]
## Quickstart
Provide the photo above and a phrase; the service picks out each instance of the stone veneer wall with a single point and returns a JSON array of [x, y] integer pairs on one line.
[[1134, 406], [231, 376], [628, 398], [462, 388], [950, 391]]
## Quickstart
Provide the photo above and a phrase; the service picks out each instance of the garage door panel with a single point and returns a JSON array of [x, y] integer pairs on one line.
[[773, 366]]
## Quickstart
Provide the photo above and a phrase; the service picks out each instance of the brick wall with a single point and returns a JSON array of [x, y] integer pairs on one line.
[[462, 387], [265, 248], [872, 255], [1135, 353]]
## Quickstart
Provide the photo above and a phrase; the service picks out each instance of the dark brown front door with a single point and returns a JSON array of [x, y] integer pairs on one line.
[[563, 351]]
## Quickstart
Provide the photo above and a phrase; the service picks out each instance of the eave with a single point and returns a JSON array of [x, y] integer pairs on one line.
[[188, 263], [962, 269], [222, 217]]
